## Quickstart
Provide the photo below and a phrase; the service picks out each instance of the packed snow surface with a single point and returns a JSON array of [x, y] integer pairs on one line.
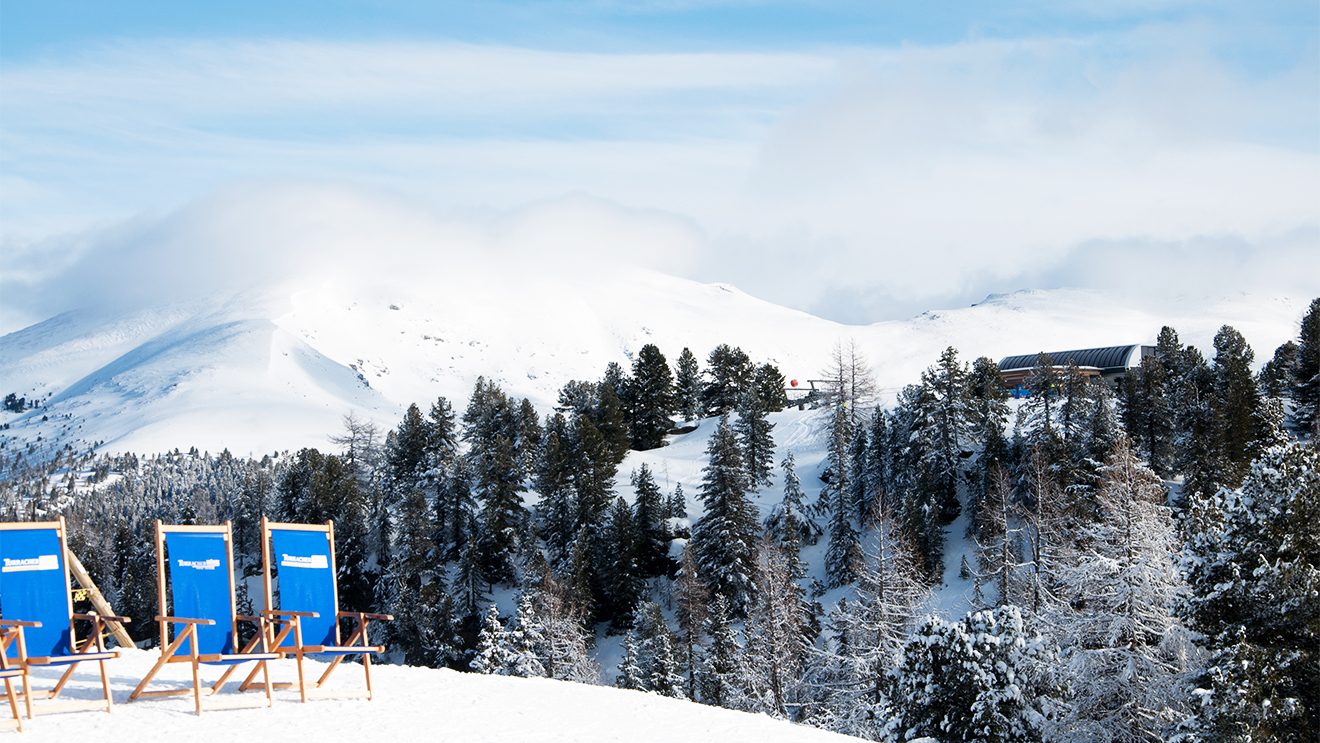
[[410, 704], [274, 368]]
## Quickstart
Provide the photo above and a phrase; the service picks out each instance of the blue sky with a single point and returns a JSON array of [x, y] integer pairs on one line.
[[922, 154]]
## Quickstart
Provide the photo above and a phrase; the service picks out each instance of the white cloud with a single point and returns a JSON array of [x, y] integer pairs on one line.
[[856, 182]]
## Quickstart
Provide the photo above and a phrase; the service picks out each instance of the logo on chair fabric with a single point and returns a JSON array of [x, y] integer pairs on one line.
[[23, 564], [199, 564], [304, 561]]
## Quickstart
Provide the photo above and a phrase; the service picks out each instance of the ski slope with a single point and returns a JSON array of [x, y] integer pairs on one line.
[[411, 704], [276, 366]]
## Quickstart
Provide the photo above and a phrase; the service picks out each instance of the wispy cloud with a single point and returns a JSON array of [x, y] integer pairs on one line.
[[856, 181]]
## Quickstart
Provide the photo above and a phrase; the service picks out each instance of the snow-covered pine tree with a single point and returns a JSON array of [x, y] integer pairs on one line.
[[729, 372], [676, 503], [691, 609], [491, 654], [527, 439], [720, 666], [860, 497], [523, 641], [622, 580], [1306, 374], [724, 538], [1253, 563], [1198, 446], [998, 541], [1237, 399], [788, 523], [756, 439], [851, 384], [687, 386], [556, 512], [564, 645], [979, 680], [411, 569], [629, 671], [769, 385], [502, 513], [776, 631], [652, 398], [949, 428], [844, 548], [651, 527], [1122, 644]]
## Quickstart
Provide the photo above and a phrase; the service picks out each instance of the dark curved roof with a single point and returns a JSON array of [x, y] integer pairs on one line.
[[1111, 357]]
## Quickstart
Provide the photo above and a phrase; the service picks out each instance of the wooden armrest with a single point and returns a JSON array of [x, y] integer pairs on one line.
[[278, 613], [366, 615], [93, 617], [246, 618], [184, 620], [18, 623]]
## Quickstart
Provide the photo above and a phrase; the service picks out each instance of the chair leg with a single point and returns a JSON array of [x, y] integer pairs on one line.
[[105, 687], [302, 684], [265, 673], [68, 673], [13, 703], [333, 665], [366, 671], [27, 693], [165, 656], [197, 681]]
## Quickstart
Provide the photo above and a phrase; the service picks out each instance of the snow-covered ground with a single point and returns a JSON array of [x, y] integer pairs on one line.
[[410, 704], [274, 368]]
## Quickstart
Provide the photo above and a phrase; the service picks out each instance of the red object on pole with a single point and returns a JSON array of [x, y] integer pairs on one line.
[[793, 382]]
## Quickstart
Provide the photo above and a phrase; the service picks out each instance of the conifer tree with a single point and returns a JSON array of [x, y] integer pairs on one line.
[[1124, 646], [981, 680], [1276, 377], [554, 483], [622, 576], [1253, 563], [502, 514], [756, 438], [788, 523], [687, 386], [729, 373], [844, 547], [491, 655], [721, 667], [691, 609], [867, 635], [676, 504], [776, 632], [768, 384], [1237, 399], [527, 439], [1306, 373], [652, 398], [652, 533], [724, 538]]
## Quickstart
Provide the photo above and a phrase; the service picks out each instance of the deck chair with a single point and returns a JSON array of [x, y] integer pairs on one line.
[[308, 614], [11, 672], [36, 603], [200, 575]]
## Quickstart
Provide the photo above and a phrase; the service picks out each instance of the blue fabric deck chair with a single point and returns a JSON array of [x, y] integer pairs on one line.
[[198, 564], [36, 603], [11, 672], [308, 612]]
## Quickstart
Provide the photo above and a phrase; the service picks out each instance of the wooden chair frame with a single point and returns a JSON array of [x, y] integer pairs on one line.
[[93, 647], [10, 635], [168, 648], [290, 622]]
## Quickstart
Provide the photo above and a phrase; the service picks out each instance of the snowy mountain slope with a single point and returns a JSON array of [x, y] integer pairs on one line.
[[275, 368], [410, 704]]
